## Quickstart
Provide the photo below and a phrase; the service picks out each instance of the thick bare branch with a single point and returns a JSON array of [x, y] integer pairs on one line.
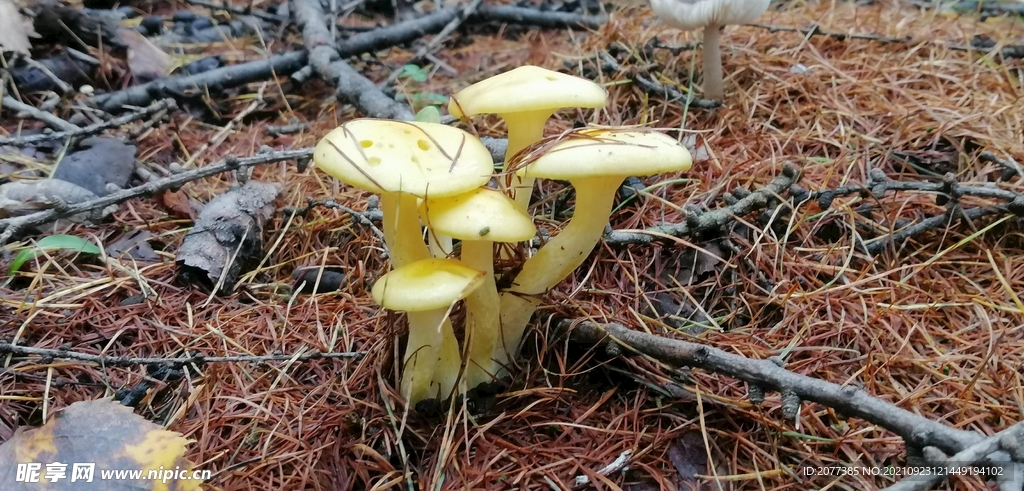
[[767, 374]]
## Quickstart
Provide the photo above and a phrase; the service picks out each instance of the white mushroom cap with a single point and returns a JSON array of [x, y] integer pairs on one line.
[[427, 284], [690, 15]]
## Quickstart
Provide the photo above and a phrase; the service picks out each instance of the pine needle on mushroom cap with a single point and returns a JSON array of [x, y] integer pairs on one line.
[[525, 98], [595, 161]]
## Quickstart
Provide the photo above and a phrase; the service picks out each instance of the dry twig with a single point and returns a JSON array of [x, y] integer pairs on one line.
[[20, 141], [966, 461], [15, 224], [646, 82], [332, 68], [12, 104], [196, 359], [916, 430]]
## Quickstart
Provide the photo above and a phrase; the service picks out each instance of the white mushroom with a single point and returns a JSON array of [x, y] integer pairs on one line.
[[710, 15]]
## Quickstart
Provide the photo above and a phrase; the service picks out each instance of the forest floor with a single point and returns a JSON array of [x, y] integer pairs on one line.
[[932, 324]]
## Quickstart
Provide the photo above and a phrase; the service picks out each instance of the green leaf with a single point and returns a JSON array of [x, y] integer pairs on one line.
[[52, 243], [414, 72], [429, 114], [424, 98]]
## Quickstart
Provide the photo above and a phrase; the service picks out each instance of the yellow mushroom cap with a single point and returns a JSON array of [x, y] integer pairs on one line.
[[426, 285], [412, 157], [481, 214], [527, 88], [607, 152]]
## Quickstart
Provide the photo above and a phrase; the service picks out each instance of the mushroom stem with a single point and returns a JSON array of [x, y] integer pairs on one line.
[[557, 259], [440, 245], [421, 354], [402, 229], [483, 324], [449, 362], [524, 129], [713, 64], [516, 312], [430, 333]]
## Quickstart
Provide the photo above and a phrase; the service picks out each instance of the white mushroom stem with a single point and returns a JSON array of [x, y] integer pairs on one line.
[[713, 88], [524, 129], [483, 326], [557, 259], [440, 245], [432, 352]]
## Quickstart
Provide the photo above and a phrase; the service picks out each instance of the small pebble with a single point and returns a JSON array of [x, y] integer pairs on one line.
[[127, 12], [200, 66], [214, 34], [201, 23], [132, 300], [630, 187], [103, 13], [331, 279], [154, 24], [184, 16], [86, 90], [78, 119]]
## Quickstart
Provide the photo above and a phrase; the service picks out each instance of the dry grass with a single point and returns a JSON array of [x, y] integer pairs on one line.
[[935, 327]]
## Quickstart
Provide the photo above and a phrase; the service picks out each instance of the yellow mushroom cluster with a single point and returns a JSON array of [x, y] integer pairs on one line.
[[435, 176]]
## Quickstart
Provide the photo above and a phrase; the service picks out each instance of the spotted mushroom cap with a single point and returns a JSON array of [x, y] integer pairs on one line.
[[424, 159], [690, 15], [481, 214]]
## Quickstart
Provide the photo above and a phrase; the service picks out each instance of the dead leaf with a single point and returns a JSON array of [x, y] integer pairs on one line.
[[227, 240], [135, 244], [691, 264], [15, 29], [178, 204], [689, 456], [103, 433], [146, 61], [100, 162]]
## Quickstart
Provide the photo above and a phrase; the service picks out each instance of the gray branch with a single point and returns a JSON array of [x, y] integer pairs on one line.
[[287, 63], [1005, 440], [125, 361], [166, 104], [328, 64], [916, 430], [14, 224], [697, 222], [50, 120]]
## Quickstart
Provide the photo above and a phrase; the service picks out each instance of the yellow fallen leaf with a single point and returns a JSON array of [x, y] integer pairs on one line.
[[97, 445]]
